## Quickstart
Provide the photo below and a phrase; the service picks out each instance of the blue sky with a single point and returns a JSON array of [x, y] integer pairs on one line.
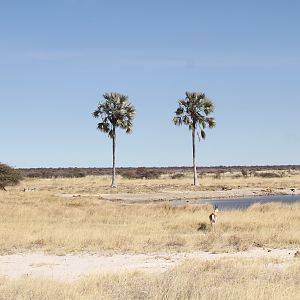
[[57, 59]]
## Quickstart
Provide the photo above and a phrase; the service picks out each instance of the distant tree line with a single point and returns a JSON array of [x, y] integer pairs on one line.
[[55, 172], [124, 171]]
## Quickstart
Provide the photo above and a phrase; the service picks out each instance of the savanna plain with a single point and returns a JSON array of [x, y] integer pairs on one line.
[[63, 217]]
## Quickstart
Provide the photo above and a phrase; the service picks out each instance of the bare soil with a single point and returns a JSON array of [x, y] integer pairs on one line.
[[72, 267]]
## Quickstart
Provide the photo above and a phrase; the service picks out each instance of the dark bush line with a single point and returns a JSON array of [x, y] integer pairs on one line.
[[53, 173], [80, 172]]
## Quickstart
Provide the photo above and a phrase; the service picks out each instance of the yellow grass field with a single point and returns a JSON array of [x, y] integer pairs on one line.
[[42, 220]]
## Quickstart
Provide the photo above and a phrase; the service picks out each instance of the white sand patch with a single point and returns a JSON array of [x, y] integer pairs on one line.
[[188, 195], [72, 267]]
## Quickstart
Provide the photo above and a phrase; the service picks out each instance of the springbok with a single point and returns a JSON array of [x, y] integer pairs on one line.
[[213, 218]]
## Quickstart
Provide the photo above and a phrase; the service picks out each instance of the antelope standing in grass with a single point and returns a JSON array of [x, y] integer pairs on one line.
[[213, 218]]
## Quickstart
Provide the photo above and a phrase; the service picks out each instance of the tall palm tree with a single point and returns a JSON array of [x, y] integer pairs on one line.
[[193, 111], [115, 111]]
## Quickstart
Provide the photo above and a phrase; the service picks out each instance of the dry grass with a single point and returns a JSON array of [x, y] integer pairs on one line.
[[39, 220], [232, 279], [101, 184]]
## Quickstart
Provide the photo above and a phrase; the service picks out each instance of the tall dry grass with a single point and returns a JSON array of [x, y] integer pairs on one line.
[[258, 279], [39, 220]]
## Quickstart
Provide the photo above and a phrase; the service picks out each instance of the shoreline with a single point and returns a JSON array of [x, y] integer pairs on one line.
[[187, 195]]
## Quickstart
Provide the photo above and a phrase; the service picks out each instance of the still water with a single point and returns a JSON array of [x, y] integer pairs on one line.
[[242, 203]]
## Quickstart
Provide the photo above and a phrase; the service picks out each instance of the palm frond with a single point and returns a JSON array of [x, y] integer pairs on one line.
[[177, 121], [203, 134], [211, 122], [193, 111], [104, 127]]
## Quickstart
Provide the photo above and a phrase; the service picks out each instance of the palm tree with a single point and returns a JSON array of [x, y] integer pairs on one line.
[[193, 111], [115, 111]]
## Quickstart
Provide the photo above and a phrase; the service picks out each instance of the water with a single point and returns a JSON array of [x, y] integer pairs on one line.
[[242, 203]]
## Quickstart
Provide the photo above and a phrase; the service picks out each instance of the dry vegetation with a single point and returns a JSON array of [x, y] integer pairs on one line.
[[41, 220], [232, 279], [208, 182]]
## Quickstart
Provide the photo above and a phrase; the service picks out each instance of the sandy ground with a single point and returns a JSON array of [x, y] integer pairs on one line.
[[73, 267], [176, 195]]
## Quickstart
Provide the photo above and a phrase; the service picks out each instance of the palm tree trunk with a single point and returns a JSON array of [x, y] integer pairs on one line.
[[194, 158], [114, 180]]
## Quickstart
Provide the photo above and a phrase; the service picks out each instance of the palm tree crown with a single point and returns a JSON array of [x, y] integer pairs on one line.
[[193, 111], [115, 111]]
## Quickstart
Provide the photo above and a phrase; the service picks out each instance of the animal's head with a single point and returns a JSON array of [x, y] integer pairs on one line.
[[216, 209]]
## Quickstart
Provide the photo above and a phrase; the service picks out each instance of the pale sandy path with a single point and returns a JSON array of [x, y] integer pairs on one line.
[[72, 267], [188, 195]]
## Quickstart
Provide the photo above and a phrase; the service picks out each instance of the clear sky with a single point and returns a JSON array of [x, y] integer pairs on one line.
[[58, 57]]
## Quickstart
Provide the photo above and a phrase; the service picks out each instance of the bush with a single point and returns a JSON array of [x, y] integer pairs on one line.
[[141, 173], [177, 176], [267, 175], [8, 176], [236, 176], [244, 173], [76, 173], [147, 173], [217, 175], [131, 174]]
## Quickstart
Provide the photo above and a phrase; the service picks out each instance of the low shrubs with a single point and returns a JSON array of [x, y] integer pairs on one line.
[[63, 172], [54, 173], [177, 176], [268, 174], [130, 174], [217, 175], [140, 173], [244, 173]]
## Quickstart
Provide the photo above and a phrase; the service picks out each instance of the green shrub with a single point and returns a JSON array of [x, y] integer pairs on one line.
[[8, 176]]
